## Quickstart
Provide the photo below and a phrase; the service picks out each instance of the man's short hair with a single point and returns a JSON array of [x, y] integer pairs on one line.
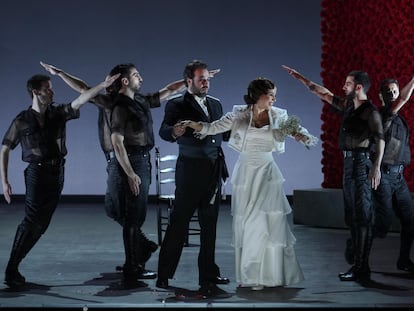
[[362, 78], [191, 67], [35, 83]]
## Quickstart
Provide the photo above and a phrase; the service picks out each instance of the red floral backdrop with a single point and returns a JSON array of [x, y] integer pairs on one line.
[[376, 36]]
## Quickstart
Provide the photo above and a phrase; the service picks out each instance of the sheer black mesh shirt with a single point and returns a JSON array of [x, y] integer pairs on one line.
[[41, 139]]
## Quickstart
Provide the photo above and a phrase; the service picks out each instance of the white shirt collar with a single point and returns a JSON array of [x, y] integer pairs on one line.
[[202, 102]]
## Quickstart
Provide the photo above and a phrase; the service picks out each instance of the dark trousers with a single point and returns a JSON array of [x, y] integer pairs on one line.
[[120, 204], [193, 178], [393, 196], [44, 184], [129, 210], [359, 215], [357, 191]]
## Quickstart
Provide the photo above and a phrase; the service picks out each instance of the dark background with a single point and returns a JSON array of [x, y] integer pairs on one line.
[[246, 39]]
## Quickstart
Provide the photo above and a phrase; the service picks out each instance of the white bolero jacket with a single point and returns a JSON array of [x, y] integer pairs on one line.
[[239, 120]]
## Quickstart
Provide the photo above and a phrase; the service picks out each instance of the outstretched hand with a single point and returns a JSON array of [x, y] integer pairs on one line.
[[300, 137], [50, 68], [178, 129], [292, 72], [110, 79], [194, 125], [214, 72]]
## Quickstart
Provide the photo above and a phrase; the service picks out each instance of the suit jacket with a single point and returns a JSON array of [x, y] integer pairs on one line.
[[185, 107]]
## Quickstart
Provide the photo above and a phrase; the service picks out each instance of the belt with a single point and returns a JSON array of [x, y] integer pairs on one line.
[[353, 153], [109, 155], [392, 168], [131, 150], [52, 162]]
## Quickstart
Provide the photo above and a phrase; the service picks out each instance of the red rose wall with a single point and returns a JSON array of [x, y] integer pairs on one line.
[[376, 36]]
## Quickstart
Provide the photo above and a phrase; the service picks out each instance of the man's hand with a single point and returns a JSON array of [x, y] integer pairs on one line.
[[178, 130], [51, 69], [7, 192], [375, 177], [214, 72], [293, 72], [134, 183], [109, 80]]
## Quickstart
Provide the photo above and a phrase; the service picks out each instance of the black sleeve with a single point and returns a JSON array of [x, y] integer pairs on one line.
[[171, 117]]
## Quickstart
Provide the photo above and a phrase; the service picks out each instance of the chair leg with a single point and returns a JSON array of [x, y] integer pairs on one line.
[[186, 243], [159, 224]]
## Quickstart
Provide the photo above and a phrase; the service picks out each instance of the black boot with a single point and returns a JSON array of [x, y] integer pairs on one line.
[[404, 262], [148, 247], [349, 251], [24, 240], [360, 271], [132, 269]]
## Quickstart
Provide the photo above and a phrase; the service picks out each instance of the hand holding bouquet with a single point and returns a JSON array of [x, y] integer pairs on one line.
[[291, 127]]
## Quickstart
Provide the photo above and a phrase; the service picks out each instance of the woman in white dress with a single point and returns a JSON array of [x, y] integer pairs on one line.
[[263, 240]]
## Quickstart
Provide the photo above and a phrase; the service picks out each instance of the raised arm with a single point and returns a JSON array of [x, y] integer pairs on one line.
[[74, 82], [405, 95], [92, 92], [4, 163], [171, 89], [319, 90]]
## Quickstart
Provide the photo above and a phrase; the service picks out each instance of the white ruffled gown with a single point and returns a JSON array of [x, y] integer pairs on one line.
[[263, 239]]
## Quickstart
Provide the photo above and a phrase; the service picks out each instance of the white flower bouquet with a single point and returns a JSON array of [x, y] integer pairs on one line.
[[291, 127]]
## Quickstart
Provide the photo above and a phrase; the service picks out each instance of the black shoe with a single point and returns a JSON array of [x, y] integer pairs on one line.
[[405, 265], [221, 280], [121, 268], [349, 251], [14, 279], [361, 276], [211, 291], [147, 274], [162, 283], [347, 272]]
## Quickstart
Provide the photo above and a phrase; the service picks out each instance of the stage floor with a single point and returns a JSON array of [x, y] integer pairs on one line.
[[73, 267]]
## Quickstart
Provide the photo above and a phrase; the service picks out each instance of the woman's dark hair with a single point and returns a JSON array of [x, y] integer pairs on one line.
[[257, 88]]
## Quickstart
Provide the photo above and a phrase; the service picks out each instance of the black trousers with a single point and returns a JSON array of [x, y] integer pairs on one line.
[[44, 184], [357, 191], [193, 177], [393, 196]]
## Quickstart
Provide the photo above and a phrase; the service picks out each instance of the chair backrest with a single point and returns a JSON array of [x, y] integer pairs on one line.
[[165, 174]]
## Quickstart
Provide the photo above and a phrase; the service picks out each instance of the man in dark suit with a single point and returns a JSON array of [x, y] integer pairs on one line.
[[200, 169]]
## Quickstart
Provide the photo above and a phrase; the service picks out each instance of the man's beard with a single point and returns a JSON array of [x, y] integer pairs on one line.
[[200, 92], [351, 96]]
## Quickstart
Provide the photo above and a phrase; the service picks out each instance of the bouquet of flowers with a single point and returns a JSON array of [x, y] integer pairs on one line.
[[291, 127]]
